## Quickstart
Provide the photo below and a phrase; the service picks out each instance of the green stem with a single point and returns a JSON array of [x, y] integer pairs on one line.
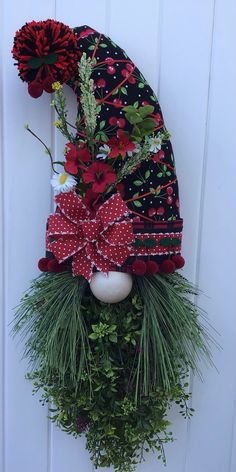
[[45, 146]]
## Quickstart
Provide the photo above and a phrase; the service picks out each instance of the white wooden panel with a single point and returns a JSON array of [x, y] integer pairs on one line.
[[26, 205], [186, 38], [68, 453], [210, 441], [171, 42]]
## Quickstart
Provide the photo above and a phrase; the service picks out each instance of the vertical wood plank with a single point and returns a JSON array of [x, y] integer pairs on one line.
[[210, 440], [69, 453], [186, 37], [2, 285], [26, 204]]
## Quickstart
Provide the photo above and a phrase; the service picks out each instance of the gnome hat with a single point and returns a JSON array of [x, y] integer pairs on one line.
[[47, 52]]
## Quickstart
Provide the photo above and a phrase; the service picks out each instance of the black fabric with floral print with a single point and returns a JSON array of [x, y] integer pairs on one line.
[[119, 83]]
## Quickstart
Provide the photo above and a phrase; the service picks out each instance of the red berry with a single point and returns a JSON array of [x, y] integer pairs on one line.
[[117, 102], [151, 212], [169, 190], [178, 260], [101, 83], [177, 202], [131, 80], [169, 200], [152, 267], [121, 122], [139, 267], [43, 264], [124, 72], [129, 67], [109, 60], [35, 89], [112, 121], [157, 118], [160, 211], [144, 103], [111, 70], [168, 266]]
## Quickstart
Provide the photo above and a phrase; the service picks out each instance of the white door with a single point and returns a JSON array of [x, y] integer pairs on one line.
[[187, 51]]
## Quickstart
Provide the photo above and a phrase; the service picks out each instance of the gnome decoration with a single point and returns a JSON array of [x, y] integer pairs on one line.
[[109, 319]]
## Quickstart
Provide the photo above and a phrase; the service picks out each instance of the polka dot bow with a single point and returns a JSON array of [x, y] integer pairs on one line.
[[100, 241]]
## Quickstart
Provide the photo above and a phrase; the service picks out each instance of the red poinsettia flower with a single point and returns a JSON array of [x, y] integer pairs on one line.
[[100, 175], [75, 156], [120, 146]]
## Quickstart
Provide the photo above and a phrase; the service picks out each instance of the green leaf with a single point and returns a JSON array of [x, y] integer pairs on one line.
[[91, 48], [115, 91], [103, 45], [147, 174], [124, 91], [146, 110], [148, 124], [159, 174], [133, 118], [153, 98], [35, 62], [141, 85], [50, 58], [129, 109], [136, 104], [102, 124], [168, 173], [138, 183], [98, 109], [137, 203]]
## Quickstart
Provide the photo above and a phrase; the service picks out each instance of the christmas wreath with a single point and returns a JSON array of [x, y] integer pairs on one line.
[[110, 326]]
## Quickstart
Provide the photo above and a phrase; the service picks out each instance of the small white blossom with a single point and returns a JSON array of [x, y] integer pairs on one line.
[[104, 151], [62, 182], [155, 144]]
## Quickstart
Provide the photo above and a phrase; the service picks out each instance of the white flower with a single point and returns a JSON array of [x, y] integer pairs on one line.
[[62, 182], [155, 144], [104, 151]]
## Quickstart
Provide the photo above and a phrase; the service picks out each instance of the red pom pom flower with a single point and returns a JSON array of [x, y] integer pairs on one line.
[[46, 52]]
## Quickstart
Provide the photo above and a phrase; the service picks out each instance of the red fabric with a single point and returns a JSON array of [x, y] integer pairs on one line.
[[100, 241]]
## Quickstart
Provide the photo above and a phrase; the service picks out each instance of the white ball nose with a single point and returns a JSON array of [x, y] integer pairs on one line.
[[111, 288]]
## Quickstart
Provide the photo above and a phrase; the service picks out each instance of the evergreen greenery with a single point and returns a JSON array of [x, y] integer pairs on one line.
[[112, 371]]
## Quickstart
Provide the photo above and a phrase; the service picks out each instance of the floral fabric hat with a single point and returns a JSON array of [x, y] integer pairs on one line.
[[130, 137]]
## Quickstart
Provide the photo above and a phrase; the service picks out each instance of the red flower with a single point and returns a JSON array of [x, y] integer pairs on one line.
[[158, 156], [74, 157], [45, 50], [120, 146], [100, 175]]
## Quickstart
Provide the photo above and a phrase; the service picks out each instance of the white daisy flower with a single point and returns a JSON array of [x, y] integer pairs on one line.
[[155, 144], [62, 182], [104, 151]]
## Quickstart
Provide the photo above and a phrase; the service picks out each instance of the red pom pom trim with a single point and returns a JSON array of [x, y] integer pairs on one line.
[[139, 267], [152, 267], [54, 266], [43, 264], [179, 261], [168, 266], [45, 51]]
